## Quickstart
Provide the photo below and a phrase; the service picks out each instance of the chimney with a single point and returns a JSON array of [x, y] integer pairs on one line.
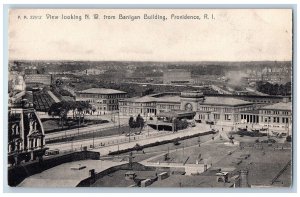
[[205, 167], [92, 173], [244, 178]]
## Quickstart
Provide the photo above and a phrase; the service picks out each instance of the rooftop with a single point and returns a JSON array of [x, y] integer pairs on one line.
[[62, 175], [117, 178], [224, 101], [168, 98], [102, 91], [190, 181], [144, 99], [279, 106]]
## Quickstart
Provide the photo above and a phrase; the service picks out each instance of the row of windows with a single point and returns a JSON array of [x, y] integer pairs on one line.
[[103, 96], [226, 110], [275, 119], [275, 112], [137, 110], [109, 108], [115, 101], [168, 107], [136, 104]]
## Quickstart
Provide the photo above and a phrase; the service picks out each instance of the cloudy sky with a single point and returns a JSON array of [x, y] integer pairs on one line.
[[234, 35]]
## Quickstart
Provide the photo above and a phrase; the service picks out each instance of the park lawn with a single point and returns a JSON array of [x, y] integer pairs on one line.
[[53, 124]]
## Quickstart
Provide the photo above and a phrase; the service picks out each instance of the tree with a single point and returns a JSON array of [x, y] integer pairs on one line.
[[60, 109], [139, 122], [131, 122], [82, 106], [180, 124]]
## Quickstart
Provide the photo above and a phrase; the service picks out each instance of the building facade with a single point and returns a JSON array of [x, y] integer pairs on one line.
[[149, 106], [38, 79], [26, 138], [104, 101], [277, 116]]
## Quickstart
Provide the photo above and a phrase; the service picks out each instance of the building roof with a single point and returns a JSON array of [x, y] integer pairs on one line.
[[173, 99], [279, 106], [102, 91], [144, 99], [147, 99], [224, 101], [190, 181]]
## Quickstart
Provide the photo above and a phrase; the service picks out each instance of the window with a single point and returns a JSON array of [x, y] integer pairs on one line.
[[216, 116], [227, 117], [285, 113], [267, 112], [276, 119], [285, 120]]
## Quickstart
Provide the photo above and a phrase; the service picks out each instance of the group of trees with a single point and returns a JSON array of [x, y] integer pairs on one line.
[[180, 124], [274, 89], [136, 123], [62, 109]]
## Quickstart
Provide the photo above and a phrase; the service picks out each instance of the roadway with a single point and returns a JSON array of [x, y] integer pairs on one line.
[[105, 145]]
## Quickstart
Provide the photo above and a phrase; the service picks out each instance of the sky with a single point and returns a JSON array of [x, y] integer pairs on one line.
[[233, 35]]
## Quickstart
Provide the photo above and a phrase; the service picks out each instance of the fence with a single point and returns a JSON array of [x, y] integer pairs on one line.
[[65, 137]]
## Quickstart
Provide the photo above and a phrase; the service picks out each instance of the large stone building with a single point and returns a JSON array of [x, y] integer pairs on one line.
[[221, 110], [103, 100], [177, 76]]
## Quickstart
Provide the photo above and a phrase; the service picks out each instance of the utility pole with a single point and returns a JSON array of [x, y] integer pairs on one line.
[[78, 123], [268, 127], [129, 133], [72, 144], [118, 151], [93, 139]]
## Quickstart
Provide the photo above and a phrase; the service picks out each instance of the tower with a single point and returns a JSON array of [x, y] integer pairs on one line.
[[244, 178], [189, 100]]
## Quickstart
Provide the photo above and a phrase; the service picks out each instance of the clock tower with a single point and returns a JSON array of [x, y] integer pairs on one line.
[[189, 100]]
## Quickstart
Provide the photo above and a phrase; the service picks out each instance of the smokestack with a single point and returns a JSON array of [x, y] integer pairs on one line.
[[244, 178]]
